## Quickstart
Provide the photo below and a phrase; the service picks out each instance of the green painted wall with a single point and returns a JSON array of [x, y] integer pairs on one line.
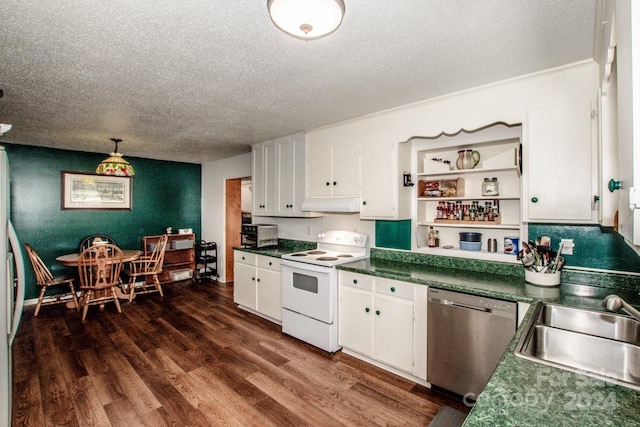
[[164, 194], [596, 247]]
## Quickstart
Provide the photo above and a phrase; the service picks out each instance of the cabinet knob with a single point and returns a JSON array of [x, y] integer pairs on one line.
[[355, 281], [258, 280], [364, 203], [270, 263], [534, 200], [253, 278], [328, 183], [243, 258], [393, 289], [335, 183], [614, 185], [367, 309], [377, 312]]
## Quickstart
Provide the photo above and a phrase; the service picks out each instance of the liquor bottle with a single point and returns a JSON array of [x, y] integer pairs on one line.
[[431, 240]]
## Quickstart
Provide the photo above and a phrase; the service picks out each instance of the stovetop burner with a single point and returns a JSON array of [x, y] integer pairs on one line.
[[334, 248]]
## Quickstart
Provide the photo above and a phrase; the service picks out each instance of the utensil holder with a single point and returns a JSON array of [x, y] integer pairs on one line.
[[542, 279]]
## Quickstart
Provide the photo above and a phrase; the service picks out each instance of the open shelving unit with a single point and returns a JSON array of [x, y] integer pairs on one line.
[[500, 157]]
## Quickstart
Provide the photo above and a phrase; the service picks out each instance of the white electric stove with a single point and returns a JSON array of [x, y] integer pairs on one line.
[[310, 287]]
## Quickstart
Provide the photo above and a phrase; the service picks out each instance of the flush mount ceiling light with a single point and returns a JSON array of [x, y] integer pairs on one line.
[[306, 19], [115, 164]]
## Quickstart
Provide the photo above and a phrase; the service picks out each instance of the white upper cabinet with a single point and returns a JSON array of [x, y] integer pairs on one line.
[[334, 161], [560, 164], [628, 80], [291, 154], [265, 176], [384, 160], [279, 177]]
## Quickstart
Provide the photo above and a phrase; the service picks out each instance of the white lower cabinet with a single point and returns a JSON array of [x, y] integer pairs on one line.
[[258, 284], [384, 321]]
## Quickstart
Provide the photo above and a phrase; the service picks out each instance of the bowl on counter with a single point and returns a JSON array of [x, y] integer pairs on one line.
[[470, 246], [469, 236]]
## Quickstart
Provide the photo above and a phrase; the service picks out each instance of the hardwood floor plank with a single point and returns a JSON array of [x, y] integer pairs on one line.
[[178, 378], [88, 407], [239, 408], [121, 413], [136, 391], [291, 401], [27, 403], [56, 401], [177, 407]]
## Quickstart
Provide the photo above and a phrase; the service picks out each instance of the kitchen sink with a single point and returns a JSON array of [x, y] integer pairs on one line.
[[590, 342], [592, 322]]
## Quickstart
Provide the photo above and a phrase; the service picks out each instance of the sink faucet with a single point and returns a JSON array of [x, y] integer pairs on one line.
[[615, 303]]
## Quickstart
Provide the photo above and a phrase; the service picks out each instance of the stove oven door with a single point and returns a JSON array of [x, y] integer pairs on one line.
[[310, 290]]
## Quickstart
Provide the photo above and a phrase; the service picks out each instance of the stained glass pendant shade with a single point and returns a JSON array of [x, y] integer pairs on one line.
[[115, 164]]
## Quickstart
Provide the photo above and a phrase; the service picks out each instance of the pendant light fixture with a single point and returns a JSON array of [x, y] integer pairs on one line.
[[115, 164], [306, 19]]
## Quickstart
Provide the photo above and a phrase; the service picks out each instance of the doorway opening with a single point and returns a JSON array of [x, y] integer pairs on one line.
[[237, 212]]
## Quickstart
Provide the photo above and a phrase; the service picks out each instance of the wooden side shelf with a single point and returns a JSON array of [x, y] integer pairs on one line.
[[179, 257]]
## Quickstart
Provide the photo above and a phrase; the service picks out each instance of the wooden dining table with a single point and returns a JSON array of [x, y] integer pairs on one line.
[[128, 255]]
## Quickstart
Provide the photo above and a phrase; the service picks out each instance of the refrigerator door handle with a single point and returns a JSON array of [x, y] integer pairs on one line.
[[19, 261]]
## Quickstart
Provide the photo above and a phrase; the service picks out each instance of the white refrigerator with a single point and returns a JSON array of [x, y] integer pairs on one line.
[[11, 290]]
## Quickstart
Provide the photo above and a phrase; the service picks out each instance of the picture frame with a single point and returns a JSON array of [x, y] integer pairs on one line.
[[80, 190]]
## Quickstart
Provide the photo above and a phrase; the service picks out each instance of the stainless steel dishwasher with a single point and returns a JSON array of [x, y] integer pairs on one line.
[[466, 336]]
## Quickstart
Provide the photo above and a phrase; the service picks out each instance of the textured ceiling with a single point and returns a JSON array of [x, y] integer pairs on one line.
[[201, 80]]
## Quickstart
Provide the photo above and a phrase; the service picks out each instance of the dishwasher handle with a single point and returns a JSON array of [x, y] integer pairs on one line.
[[458, 304], [469, 307]]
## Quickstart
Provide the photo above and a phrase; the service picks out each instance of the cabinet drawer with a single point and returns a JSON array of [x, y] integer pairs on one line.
[[394, 288], [356, 281], [270, 263], [245, 258]]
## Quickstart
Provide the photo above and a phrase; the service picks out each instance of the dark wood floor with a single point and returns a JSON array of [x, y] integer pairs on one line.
[[193, 358]]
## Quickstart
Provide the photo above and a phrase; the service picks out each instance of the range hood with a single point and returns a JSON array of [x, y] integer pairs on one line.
[[331, 204]]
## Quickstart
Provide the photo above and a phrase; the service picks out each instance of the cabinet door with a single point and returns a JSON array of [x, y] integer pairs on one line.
[[379, 178], [244, 285], [265, 176], [269, 288], [393, 336], [258, 195], [319, 164], [560, 175], [356, 320], [628, 74], [291, 165], [345, 158]]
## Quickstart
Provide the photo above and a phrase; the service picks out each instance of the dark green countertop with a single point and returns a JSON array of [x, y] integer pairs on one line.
[[520, 392]]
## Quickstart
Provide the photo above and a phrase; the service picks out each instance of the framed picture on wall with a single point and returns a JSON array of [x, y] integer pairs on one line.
[[81, 190]]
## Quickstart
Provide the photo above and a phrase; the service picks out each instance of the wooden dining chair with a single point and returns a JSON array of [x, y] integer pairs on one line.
[[150, 265], [91, 239], [99, 268], [46, 280]]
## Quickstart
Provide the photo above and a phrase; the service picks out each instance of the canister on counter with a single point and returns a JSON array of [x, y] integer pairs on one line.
[[492, 245], [511, 245]]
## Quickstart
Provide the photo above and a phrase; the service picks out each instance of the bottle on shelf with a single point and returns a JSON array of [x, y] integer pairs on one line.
[[431, 239]]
